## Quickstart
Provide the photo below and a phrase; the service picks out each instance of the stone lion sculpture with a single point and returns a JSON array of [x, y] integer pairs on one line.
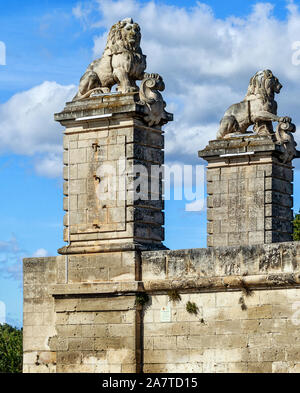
[[259, 108], [122, 62]]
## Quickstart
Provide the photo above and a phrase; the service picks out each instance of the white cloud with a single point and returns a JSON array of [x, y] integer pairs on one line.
[[11, 256], [40, 253], [27, 125], [9, 246], [50, 165], [11, 259], [207, 62], [196, 206], [82, 12], [2, 313]]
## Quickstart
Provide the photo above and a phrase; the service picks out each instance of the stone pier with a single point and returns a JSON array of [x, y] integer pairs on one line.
[[250, 192], [86, 317], [107, 148]]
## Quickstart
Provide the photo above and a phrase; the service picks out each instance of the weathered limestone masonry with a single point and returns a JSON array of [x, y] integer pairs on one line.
[[248, 314], [105, 140], [248, 301], [249, 192], [233, 307], [89, 303], [78, 327]]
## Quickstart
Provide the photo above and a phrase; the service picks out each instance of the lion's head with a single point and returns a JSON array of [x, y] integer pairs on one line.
[[124, 35], [264, 84]]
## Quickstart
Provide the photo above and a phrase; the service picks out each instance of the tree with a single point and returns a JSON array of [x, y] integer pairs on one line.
[[296, 234], [11, 349]]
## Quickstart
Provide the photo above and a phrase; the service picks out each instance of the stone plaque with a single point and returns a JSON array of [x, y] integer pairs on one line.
[[165, 314]]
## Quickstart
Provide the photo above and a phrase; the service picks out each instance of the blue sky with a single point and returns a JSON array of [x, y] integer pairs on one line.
[[206, 55]]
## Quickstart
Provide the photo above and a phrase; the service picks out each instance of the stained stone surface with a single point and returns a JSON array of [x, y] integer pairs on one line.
[[105, 144], [247, 320], [249, 192]]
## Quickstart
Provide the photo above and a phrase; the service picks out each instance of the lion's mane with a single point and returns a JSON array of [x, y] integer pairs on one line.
[[258, 85], [116, 43]]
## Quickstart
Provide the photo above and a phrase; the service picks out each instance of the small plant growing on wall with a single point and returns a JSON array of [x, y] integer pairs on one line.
[[174, 296], [192, 308], [142, 299], [245, 288]]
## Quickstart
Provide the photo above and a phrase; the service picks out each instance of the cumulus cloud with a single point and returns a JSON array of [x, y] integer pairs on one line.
[[40, 253], [11, 256], [49, 165], [207, 62], [27, 126], [11, 259], [83, 13]]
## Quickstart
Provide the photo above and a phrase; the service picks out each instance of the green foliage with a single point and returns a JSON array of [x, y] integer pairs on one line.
[[11, 349], [296, 234], [142, 299], [192, 308], [174, 296]]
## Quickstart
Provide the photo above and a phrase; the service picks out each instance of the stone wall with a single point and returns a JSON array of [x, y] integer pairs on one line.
[[247, 297], [38, 314], [95, 334], [247, 318], [80, 313], [231, 333]]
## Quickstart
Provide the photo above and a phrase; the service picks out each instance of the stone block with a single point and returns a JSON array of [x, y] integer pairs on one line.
[[278, 198], [261, 367], [115, 152], [279, 211], [166, 356], [77, 156], [276, 237], [279, 225], [260, 312], [280, 185], [30, 357], [121, 356], [256, 237], [213, 174], [279, 171]]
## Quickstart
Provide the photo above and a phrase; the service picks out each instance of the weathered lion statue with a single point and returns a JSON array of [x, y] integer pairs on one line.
[[259, 108], [122, 62]]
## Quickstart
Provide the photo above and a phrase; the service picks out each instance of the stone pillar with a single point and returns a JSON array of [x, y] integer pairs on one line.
[[249, 192], [87, 310], [108, 151], [80, 308]]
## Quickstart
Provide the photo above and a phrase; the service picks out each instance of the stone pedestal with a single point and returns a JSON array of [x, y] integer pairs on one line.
[[108, 151], [249, 192]]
